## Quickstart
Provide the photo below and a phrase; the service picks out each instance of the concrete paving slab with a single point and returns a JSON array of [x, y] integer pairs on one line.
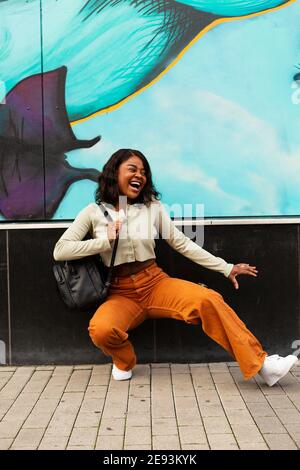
[[163, 407]]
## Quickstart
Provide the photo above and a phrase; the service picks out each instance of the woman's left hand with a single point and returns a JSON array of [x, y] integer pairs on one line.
[[241, 268]]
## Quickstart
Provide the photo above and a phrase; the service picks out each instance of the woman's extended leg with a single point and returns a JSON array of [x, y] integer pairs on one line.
[[192, 303]]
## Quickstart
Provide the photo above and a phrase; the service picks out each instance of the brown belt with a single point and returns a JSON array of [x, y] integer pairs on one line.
[[127, 269]]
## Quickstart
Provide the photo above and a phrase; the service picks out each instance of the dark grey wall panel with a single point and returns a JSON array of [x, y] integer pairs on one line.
[[4, 321], [268, 304], [45, 332], [43, 329]]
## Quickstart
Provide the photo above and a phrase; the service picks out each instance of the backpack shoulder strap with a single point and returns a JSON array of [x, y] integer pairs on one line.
[[106, 214]]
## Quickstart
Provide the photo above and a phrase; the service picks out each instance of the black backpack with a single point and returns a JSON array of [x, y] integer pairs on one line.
[[84, 283]]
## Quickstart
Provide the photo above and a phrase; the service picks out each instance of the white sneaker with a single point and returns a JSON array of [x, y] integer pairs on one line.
[[119, 374], [275, 367]]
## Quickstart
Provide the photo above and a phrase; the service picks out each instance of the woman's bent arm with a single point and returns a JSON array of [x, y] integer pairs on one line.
[[71, 244]]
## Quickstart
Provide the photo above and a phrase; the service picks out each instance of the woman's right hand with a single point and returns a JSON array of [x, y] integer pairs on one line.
[[241, 268], [113, 229]]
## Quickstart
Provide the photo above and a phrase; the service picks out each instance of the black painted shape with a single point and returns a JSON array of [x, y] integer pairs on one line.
[[34, 127], [59, 136], [297, 77], [4, 333]]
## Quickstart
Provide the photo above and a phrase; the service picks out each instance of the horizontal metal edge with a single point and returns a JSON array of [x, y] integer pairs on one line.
[[218, 221]]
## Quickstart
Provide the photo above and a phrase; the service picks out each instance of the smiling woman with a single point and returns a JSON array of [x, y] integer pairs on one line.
[[141, 290], [133, 179]]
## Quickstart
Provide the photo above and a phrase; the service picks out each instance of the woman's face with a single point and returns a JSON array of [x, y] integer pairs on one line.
[[131, 177]]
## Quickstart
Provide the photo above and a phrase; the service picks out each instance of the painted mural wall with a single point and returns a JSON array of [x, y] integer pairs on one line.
[[208, 90]]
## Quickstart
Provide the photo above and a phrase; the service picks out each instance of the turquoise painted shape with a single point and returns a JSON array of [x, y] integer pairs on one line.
[[232, 7]]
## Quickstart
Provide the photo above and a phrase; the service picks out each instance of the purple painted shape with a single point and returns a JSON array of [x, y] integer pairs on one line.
[[34, 134]]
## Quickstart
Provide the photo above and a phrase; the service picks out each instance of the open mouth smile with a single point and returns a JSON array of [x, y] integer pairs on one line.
[[135, 185]]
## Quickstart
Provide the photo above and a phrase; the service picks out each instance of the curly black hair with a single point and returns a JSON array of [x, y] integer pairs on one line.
[[108, 189]]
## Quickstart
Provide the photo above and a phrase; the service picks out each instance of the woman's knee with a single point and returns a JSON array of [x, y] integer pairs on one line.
[[98, 333], [210, 301], [105, 334], [215, 301], [208, 296]]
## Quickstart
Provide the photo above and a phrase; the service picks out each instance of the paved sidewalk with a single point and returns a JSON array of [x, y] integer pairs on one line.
[[164, 406]]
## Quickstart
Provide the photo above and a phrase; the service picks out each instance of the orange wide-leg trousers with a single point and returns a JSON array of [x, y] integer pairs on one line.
[[151, 293]]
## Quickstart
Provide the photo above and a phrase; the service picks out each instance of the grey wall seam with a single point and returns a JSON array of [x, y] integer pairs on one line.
[[298, 258], [43, 105], [4, 225], [8, 299], [154, 340]]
